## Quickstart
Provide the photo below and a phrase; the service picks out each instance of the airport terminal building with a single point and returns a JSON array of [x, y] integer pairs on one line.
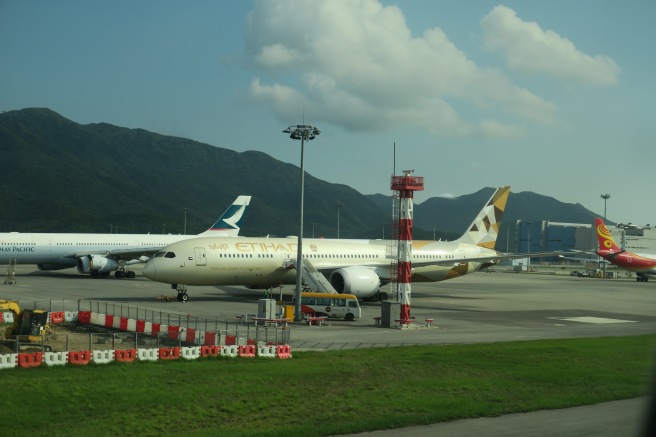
[[543, 236]]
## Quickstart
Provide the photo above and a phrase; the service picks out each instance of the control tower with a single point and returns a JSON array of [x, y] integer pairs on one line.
[[401, 268]]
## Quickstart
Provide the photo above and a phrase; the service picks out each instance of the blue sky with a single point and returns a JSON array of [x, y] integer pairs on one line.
[[551, 97]]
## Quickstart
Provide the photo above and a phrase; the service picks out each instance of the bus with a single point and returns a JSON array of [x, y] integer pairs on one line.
[[331, 305]]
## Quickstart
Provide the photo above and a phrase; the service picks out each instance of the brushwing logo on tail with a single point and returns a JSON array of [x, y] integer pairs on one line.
[[232, 218]]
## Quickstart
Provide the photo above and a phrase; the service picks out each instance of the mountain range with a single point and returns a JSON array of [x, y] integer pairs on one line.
[[60, 176]]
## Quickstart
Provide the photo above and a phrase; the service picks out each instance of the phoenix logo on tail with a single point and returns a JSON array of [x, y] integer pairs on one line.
[[642, 264], [606, 241]]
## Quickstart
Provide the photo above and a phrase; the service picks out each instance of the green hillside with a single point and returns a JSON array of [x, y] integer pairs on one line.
[[61, 176]]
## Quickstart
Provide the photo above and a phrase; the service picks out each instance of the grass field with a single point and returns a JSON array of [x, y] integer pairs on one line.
[[322, 393]]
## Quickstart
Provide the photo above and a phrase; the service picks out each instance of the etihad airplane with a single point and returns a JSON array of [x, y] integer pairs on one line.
[[644, 265], [100, 254], [358, 267]]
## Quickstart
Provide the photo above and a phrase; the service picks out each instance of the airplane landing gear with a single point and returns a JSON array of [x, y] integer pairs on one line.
[[123, 273], [182, 293]]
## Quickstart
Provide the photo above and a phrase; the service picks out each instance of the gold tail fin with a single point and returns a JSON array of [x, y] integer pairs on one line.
[[484, 229]]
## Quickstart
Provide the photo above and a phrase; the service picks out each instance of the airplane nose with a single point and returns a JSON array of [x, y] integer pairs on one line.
[[149, 270]]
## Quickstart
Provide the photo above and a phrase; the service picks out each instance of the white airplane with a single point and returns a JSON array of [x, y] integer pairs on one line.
[[358, 267], [100, 254]]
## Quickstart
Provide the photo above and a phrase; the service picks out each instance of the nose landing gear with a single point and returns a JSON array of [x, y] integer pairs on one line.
[[182, 292]]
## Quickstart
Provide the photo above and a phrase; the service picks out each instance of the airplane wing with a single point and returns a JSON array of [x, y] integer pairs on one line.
[[494, 259], [127, 254], [586, 256]]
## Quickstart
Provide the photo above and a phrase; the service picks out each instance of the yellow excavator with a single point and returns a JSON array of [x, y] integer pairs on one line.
[[30, 326]]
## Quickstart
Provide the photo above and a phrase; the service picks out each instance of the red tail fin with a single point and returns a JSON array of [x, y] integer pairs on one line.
[[606, 241]]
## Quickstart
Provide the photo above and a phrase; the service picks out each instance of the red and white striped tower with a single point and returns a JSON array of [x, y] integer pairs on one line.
[[406, 185]]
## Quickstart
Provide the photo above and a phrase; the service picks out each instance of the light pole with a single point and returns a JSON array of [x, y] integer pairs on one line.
[[339, 205], [163, 226], [528, 245], [300, 132], [605, 197], [383, 231], [184, 232]]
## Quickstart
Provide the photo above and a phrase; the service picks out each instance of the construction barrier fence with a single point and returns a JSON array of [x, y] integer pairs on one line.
[[162, 336]]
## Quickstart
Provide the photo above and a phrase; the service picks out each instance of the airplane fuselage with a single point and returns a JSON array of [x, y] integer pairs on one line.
[[640, 263], [100, 254], [270, 261], [62, 249]]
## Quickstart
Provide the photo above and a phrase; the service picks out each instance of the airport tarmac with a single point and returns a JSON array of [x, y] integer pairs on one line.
[[478, 308]]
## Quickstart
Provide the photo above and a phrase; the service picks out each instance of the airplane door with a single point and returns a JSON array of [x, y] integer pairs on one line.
[[288, 261], [201, 258], [44, 245]]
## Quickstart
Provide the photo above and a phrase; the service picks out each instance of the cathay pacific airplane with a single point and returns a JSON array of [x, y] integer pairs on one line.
[[358, 267], [100, 254]]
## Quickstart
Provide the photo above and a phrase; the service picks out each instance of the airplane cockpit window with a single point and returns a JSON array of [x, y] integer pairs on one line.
[[160, 254], [169, 255]]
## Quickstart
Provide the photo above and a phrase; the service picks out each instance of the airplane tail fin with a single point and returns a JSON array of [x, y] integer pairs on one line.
[[606, 241], [484, 229], [228, 224]]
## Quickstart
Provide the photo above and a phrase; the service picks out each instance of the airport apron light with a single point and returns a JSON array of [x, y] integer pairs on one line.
[[300, 132]]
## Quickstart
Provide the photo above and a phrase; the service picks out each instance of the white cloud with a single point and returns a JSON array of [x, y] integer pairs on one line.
[[356, 64], [527, 47]]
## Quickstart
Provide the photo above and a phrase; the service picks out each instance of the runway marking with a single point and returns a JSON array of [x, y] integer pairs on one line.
[[598, 320]]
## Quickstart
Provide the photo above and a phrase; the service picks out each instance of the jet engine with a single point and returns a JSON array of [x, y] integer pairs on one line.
[[361, 282], [96, 264]]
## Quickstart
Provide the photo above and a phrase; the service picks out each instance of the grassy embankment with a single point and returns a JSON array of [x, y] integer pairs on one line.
[[320, 393]]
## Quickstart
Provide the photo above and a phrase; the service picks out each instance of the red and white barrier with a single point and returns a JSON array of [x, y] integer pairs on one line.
[[210, 351], [147, 354], [6, 317], [30, 359], [190, 353], [229, 351], [55, 358], [207, 344], [267, 351], [79, 358], [56, 317], [125, 355], [8, 361], [102, 357], [283, 351]]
